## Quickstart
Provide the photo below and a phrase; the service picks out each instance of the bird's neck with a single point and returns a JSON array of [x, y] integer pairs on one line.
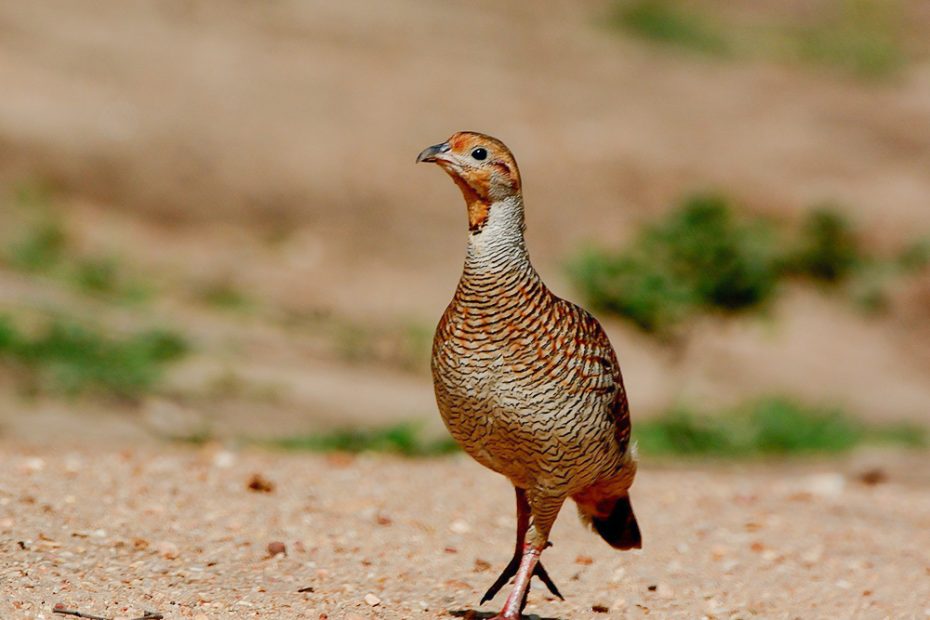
[[498, 246]]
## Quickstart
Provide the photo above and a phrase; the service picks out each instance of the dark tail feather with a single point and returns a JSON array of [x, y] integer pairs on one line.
[[620, 529]]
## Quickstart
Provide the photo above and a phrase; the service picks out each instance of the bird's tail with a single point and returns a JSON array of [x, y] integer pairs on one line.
[[619, 529], [606, 507]]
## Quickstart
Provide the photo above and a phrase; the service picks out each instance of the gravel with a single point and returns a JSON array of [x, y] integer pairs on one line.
[[117, 533]]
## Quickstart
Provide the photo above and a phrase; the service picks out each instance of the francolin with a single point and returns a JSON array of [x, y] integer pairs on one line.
[[526, 382]]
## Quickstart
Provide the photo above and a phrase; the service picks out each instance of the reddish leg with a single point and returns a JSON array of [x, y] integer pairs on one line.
[[523, 523], [516, 601]]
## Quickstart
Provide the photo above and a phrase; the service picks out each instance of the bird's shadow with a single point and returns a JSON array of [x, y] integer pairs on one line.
[[474, 614]]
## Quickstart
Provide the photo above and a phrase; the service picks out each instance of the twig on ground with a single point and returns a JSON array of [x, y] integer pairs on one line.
[[76, 614]]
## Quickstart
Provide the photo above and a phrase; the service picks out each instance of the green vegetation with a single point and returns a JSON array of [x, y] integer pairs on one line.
[[859, 37], [828, 249], [700, 257], [768, 427], [864, 38], [406, 439], [667, 22], [224, 294], [704, 257], [71, 359], [40, 248], [915, 257], [41, 245]]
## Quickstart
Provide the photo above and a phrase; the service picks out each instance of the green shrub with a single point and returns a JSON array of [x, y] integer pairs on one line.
[[225, 295], [703, 257], [405, 439], [667, 22], [40, 243], [97, 275], [68, 358], [632, 287], [916, 256], [700, 257], [40, 249], [767, 427], [862, 38], [828, 249]]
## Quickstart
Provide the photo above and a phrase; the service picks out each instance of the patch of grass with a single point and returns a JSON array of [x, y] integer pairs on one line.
[[669, 23], [768, 427], [702, 256], [861, 37], [225, 295], [405, 439], [71, 359], [97, 275], [828, 249], [40, 248], [40, 244], [101, 276], [915, 257], [868, 290]]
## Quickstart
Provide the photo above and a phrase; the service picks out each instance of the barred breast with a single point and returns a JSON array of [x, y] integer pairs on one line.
[[528, 383]]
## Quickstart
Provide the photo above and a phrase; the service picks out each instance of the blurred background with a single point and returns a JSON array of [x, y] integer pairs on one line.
[[213, 228]]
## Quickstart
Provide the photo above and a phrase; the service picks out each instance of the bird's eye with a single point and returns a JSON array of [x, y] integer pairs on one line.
[[480, 154]]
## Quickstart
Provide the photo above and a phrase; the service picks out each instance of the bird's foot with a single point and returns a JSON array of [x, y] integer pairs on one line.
[[510, 571]]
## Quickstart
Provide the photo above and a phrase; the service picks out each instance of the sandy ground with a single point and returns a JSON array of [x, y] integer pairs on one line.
[[118, 532]]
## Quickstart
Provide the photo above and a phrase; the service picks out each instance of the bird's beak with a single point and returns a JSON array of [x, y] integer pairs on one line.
[[433, 153]]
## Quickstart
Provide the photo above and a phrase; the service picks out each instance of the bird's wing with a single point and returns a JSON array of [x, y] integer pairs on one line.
[[603, 369]]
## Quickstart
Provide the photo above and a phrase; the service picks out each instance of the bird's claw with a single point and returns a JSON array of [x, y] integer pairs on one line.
[[511, 570]]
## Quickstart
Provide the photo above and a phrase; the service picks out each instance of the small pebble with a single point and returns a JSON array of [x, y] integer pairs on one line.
[[224, 459], [825, 485], [168, 550], [260, 484], [33, 465], [372, 600]]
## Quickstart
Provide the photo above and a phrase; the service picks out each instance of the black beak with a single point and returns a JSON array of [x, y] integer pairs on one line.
[[431, 153]]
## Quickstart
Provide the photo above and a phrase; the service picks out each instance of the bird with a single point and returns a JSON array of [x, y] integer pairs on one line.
[[526, 382]]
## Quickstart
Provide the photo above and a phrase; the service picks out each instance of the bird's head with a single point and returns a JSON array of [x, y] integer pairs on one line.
[[482, 166]]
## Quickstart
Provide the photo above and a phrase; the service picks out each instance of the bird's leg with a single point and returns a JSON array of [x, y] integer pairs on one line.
[[544, 511], [516, 601], [523, 523]]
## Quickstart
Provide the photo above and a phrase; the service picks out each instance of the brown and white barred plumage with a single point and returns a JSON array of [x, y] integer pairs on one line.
[[526, 382]]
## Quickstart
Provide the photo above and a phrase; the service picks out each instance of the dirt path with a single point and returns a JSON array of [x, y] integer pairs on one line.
[[118, 532]]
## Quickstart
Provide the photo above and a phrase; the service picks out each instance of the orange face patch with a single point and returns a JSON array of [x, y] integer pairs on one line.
[[482, 178], [462, 142], [479, 208]]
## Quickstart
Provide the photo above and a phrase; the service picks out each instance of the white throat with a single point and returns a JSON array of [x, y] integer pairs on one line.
[[499, 243]]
